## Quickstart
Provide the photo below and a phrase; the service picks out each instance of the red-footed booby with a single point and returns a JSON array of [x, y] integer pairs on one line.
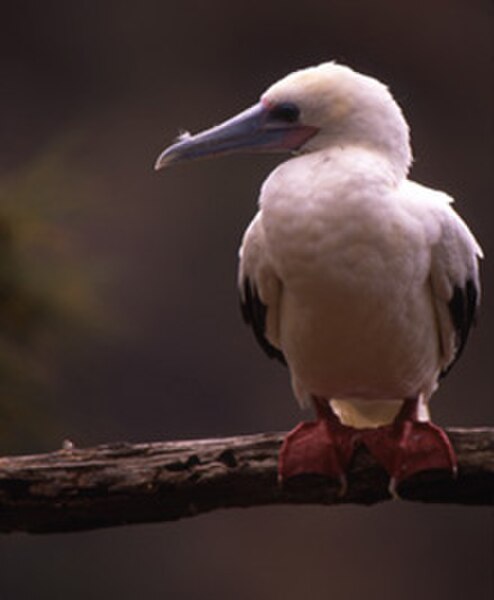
[[363, 282]]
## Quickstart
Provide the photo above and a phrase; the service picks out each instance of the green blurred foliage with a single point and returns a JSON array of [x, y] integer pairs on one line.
[[47, 298]]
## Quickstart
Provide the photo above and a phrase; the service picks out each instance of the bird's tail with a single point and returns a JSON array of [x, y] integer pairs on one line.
[[371, 413]]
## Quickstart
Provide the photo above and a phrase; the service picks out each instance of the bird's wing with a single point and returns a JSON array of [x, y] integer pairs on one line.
[[260, 290], [454, 279]]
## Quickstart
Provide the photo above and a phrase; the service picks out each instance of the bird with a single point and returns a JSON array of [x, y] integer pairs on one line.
[[363, 282]]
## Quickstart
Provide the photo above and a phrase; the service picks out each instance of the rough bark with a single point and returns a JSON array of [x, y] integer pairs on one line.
[[118, 484]]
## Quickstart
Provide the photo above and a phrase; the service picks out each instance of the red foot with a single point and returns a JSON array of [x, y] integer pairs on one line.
[[319, 447], [403, 448], [409, 447]]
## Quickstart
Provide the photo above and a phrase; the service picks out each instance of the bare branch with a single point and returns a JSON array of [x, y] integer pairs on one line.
[[117, 484]]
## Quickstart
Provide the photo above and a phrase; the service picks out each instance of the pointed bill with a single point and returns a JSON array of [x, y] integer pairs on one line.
[[253, 130]]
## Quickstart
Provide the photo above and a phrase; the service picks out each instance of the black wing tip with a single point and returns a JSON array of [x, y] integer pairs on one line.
[[254, 314], [463, 308]]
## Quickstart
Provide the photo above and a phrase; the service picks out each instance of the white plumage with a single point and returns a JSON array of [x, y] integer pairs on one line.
[[365, 283], [355, 264]]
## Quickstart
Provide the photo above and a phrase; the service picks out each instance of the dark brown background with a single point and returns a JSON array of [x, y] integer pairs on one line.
[[176, 362]]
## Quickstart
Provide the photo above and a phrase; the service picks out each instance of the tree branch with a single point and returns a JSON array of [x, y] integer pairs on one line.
[[118, 484]]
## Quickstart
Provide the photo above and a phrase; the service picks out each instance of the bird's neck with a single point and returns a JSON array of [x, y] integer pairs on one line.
[[345, 163], [385, 136]]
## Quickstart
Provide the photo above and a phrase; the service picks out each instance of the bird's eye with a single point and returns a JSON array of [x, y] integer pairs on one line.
[[285, 111]]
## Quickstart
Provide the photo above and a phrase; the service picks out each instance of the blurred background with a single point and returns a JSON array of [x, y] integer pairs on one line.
[[119, 316]]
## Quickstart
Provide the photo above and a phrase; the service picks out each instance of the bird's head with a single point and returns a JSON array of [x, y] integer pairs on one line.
[[308, 111]]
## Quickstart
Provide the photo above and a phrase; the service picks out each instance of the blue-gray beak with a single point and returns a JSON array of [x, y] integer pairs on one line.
[[252, 130]]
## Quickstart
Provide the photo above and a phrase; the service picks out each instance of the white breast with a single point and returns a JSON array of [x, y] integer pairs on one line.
[[356, 317]]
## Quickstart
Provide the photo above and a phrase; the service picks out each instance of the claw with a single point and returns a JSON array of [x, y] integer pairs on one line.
[[343, 486], [393, 488]]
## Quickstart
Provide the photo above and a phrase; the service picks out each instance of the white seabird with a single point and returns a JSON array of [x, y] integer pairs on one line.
[[363, 282]]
